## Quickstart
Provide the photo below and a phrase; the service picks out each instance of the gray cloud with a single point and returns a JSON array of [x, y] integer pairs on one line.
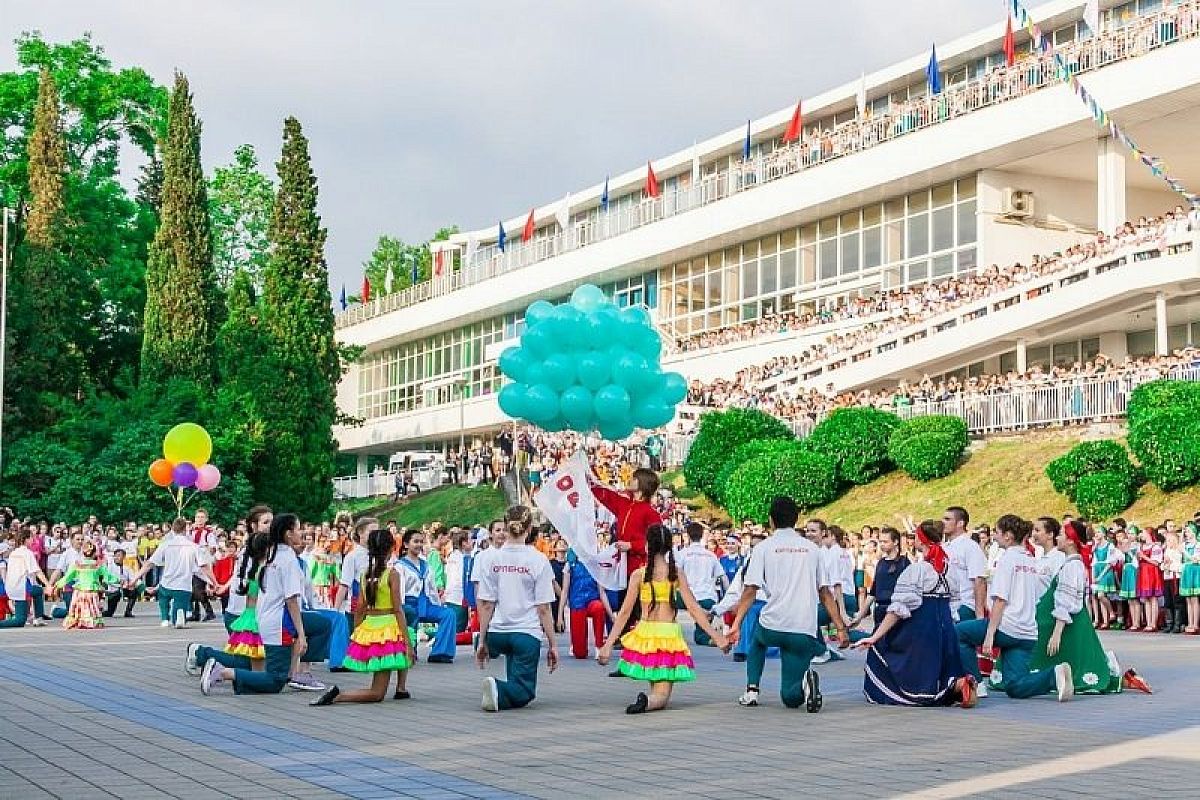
[[428, 113]]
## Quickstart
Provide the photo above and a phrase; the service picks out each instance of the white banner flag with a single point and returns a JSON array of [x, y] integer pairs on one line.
[[568, 503]]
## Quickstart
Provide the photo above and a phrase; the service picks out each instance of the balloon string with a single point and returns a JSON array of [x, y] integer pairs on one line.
[[190, 499]]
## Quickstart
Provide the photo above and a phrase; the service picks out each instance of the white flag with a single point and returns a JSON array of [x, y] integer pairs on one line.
[[389, 280], [1091, 15], [568, 503], [695, 163], [562, 214], [861, 97], [469, 255]]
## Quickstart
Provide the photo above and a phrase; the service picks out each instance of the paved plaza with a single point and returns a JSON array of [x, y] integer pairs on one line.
[[112, 714]]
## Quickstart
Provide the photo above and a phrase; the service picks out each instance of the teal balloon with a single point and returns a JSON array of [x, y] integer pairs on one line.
[[570, 326], [588, 298], [674, 388], [636, 315], [536, 373], [559, 369], [605, 326], [514, 361], [629, 371], [554, 424], [576, 407], [538, 311], [594, 369], [653, 412], [616, 429], [611, 403], [647, 343], [514, 400], [541, 403], [539, 341]]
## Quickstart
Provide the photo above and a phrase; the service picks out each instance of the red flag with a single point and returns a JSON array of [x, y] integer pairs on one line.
[[366, 289], [795, 127], [1010, 44], [651, 181], [438, 262], [530, 227]]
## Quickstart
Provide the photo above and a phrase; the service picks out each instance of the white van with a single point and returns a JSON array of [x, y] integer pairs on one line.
[[427, 468]]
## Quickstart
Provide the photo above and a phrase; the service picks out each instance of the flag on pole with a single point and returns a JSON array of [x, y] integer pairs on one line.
[[604, 195], [342, 299], [933, 73], [366, 290], [569, 505], [795, 127], [389, 280], [746, 143], [530, 227], [695, 162], [1010, 43], [439, 262], [651, 181], [416, 274], [471, 250], [501, 238], [562, 214], [861, 97], [1091, 15]]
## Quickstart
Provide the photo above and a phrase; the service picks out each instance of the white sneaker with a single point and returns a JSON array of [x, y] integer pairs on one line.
[[210, 676], [1064, 682], [823, 658], [180, 619], [749, 698], [1114, 666], [189, 662], [490, 699], [38, 622], [981, 689], [166, 623]]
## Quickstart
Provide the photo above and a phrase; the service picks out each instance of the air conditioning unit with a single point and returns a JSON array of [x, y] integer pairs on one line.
[[1018, 203]]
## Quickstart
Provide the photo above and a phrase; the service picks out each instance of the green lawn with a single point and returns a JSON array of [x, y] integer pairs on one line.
[[453, 505]]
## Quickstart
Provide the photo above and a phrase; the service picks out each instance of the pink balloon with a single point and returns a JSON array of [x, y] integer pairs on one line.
[[208, 478]]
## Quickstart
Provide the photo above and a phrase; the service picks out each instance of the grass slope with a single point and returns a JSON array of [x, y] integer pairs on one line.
[[1005, 475], [453, 505]]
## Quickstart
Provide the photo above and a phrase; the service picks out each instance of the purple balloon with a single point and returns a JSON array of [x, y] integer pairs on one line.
[[184, 475]]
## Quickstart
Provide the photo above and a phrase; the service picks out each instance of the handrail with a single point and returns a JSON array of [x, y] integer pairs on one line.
[[1173, 24]]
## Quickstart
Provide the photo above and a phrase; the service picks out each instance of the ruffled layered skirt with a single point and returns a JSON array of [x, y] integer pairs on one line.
[[378, 645], [656, 652]]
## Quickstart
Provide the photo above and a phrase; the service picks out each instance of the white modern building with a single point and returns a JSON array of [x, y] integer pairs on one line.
[[889, 186]]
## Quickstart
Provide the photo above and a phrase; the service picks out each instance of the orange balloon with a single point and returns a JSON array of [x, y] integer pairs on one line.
[[161, 472]]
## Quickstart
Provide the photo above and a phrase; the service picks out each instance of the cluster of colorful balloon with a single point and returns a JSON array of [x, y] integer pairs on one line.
[[587, 365], [186, 450]]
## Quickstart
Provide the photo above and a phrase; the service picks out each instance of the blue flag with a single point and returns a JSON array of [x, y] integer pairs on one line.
[[502, 238], [342, 299], [415, 272], [746, 144], [604, 195], [933, 75]]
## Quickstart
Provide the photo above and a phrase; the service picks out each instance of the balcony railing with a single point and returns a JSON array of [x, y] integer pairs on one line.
[[1146, 34]]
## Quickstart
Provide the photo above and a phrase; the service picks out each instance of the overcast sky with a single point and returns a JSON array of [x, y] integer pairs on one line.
[[423, 114]]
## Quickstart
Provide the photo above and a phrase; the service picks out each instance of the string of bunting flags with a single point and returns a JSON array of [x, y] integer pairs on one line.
[[1155, 164]]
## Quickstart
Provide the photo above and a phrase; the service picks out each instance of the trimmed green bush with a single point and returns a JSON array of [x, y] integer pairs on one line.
[[1089, 458], [1156, 395], [808, 478], [856, 440], [743, 453], [927, 456], [932, 423], [720, 432], [1103, 495], [1167, 443]]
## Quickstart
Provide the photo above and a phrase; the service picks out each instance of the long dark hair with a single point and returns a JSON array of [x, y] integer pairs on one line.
[[253, 560], [379, 552], [280, 526], [659, 542]]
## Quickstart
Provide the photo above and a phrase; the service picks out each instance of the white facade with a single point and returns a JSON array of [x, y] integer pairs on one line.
[[742, 231]]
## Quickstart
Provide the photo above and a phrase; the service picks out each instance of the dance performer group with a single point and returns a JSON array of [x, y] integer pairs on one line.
[[937, 617]]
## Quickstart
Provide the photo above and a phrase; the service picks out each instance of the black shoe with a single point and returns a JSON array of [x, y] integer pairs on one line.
[[193, 619], [209, 617], [128, 615], [327, 697], [399, 695], [440, 660], [47, 619], [616, 673], [638, 706], [739, 658], [338, 669], [812, 692]]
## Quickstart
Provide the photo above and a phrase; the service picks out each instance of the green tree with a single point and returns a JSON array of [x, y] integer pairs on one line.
[[392, 253], [181, 292], [240, 202], [45, 328], [299, 391]]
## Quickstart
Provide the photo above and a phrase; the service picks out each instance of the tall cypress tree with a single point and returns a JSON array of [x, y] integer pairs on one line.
[[45, 289], [299, 394], [182, 300]]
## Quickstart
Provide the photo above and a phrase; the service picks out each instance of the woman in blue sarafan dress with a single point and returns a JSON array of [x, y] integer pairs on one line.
[[913, 655]]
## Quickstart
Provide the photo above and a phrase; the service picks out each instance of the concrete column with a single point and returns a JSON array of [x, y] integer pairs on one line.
[[1161, 342], [1022, 357], [1110, 184], [361, 470]]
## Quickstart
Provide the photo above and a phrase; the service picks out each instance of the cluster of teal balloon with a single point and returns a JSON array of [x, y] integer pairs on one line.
[[587, 365]]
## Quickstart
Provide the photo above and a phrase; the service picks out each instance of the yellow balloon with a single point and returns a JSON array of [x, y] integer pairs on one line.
[[188, 442]]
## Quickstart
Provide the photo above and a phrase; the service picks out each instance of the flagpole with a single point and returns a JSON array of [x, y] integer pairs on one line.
[[4, 213]]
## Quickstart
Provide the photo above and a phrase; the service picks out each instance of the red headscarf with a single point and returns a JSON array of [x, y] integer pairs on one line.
[[1073, 532], [936, 555]]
